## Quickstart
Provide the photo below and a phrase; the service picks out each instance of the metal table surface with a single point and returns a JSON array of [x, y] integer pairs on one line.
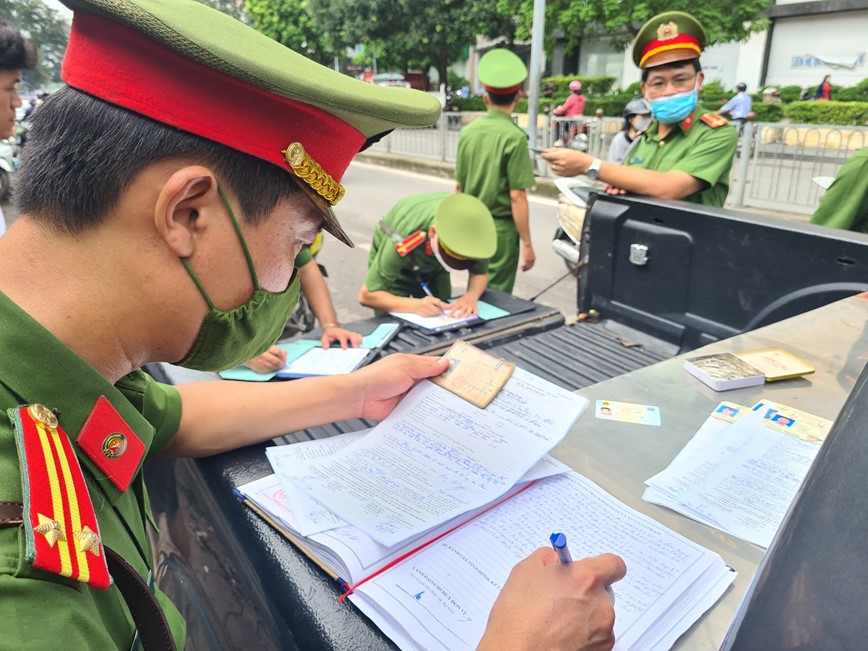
[[621, 456], [296, 603]]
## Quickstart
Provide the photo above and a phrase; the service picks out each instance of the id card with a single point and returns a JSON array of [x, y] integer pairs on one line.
[[627, 412]]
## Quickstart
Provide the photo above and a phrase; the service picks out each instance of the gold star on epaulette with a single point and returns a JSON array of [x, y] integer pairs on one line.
[[50, 529], [87, 541]]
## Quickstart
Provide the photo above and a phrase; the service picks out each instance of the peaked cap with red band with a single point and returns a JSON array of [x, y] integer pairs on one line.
[[501, 72], [191, 67], [668, 37]]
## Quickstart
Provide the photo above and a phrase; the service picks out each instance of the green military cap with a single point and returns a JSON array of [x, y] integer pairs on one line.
[[670, 36], [465, 227], [501, 71], [191, 67]]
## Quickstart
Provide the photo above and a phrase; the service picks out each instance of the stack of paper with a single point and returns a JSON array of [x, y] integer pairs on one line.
[[741, 470], [423, 517]]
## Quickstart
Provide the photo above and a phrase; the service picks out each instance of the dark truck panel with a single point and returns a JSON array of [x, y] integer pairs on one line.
[[711, 273]]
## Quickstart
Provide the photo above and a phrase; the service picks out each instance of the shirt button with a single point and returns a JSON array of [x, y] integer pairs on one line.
[[42, 414]]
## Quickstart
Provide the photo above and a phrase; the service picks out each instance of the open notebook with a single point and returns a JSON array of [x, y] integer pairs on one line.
[[435, 590]]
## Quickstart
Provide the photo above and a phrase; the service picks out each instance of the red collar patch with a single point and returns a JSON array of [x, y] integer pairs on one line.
[[687, 122], [111, 444]]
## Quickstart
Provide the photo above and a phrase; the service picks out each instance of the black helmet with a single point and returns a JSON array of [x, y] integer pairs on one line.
[[636, 107]]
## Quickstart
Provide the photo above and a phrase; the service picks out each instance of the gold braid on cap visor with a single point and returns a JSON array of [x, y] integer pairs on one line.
[[450, 253], [309, 171]]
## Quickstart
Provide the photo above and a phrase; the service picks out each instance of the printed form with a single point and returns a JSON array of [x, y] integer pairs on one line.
[[442, 598], [437, 456]]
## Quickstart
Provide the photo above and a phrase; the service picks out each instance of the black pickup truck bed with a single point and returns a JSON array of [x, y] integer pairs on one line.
[[696, 275]]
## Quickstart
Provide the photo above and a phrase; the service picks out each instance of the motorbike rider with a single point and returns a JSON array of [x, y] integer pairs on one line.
[[637, 118], [574, 107]]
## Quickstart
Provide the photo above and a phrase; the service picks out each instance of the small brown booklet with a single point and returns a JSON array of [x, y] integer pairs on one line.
[[473, 374]]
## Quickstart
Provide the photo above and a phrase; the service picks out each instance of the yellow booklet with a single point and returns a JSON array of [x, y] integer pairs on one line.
[[474, 374], [776, 363]]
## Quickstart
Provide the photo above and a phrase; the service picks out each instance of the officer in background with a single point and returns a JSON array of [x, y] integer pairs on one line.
[[168, 237], [687, 151], [845, 204], [493, 164], [738, 107], [417, 244]]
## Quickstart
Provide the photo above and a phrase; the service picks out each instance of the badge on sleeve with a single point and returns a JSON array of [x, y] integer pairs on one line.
[[111, 444], [61, 531]]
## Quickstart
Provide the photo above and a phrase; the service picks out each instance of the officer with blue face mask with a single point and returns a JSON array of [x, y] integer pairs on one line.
[[687, 152]]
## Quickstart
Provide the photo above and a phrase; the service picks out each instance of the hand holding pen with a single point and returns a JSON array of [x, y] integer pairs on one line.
[[559, 544], [430, 305]]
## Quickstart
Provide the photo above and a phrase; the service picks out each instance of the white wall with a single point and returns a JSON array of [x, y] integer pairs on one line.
[[839, 36]]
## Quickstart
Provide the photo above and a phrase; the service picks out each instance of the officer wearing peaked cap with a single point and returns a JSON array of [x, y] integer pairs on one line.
[[494, 165], [417, 244], [687, 151], [165, 193]]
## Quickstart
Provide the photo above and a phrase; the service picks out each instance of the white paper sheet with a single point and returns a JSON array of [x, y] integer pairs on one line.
[[442, 597], [325, 361], [437, 456]]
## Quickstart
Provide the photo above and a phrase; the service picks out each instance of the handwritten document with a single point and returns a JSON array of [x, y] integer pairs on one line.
[[437, 456], [741, 477], [441, 597]]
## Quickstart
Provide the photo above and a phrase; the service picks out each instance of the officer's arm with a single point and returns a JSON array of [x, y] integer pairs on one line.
[[219, 416], [521, 217], [388, 302], [674, 184]]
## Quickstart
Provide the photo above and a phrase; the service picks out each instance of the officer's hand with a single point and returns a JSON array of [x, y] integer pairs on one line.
[[462, 307], [567, 162], [340, 335], [528, 257], [611, 189], [547, 605], [269, 361], [429, 306], [381, 385]]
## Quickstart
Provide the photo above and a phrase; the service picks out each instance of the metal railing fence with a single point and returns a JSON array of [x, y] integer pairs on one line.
[[773, 168]]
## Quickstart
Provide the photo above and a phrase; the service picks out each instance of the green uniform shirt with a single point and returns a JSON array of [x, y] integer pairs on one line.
[[701, 151], [44, 610], [845, 204], [493, 159], [389, 272], [304, 256]]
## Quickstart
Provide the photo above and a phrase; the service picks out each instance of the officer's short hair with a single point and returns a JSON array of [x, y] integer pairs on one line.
[[82, 153], [674, 64], [502, 99], [16, 52]]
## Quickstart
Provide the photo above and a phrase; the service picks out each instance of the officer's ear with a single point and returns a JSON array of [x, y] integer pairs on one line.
[[700, 77], [431, 232], [186, 204]]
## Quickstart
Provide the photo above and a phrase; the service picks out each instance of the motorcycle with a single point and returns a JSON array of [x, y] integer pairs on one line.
[[568, 238], [8, 165], [302, 319]]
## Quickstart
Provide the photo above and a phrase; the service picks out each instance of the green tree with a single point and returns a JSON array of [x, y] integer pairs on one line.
[[289, 22], [47, 29], [234, 8], [409, 34], [723, 21]]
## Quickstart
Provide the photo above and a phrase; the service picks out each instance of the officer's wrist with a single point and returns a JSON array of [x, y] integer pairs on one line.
[[326, 326]]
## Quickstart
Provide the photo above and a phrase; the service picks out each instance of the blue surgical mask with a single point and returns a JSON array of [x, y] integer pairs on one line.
[[674, 108]]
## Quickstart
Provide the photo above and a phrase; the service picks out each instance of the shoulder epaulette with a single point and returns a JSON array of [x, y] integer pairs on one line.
[[714, 120], [408, 244]]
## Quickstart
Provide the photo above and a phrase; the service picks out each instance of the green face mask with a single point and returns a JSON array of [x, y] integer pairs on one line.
[[228, 338]]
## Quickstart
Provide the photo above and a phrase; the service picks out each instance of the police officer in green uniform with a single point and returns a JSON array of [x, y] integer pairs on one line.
[[845, 204], [687, 152], [415, 246], [165, 193], [493, 164]]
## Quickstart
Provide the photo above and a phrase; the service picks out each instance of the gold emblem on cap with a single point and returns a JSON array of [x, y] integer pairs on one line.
[[87, 540], [667, 31], [42, 414], [309, 171], [114, 445], [50, 529]]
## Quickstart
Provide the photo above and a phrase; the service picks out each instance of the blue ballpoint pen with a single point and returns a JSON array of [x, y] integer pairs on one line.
[[559, 543], [425, 289]]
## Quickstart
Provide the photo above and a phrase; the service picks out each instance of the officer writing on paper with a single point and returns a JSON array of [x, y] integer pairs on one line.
[[418, 243], [166, 237], [315, 289], [687, 151]]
